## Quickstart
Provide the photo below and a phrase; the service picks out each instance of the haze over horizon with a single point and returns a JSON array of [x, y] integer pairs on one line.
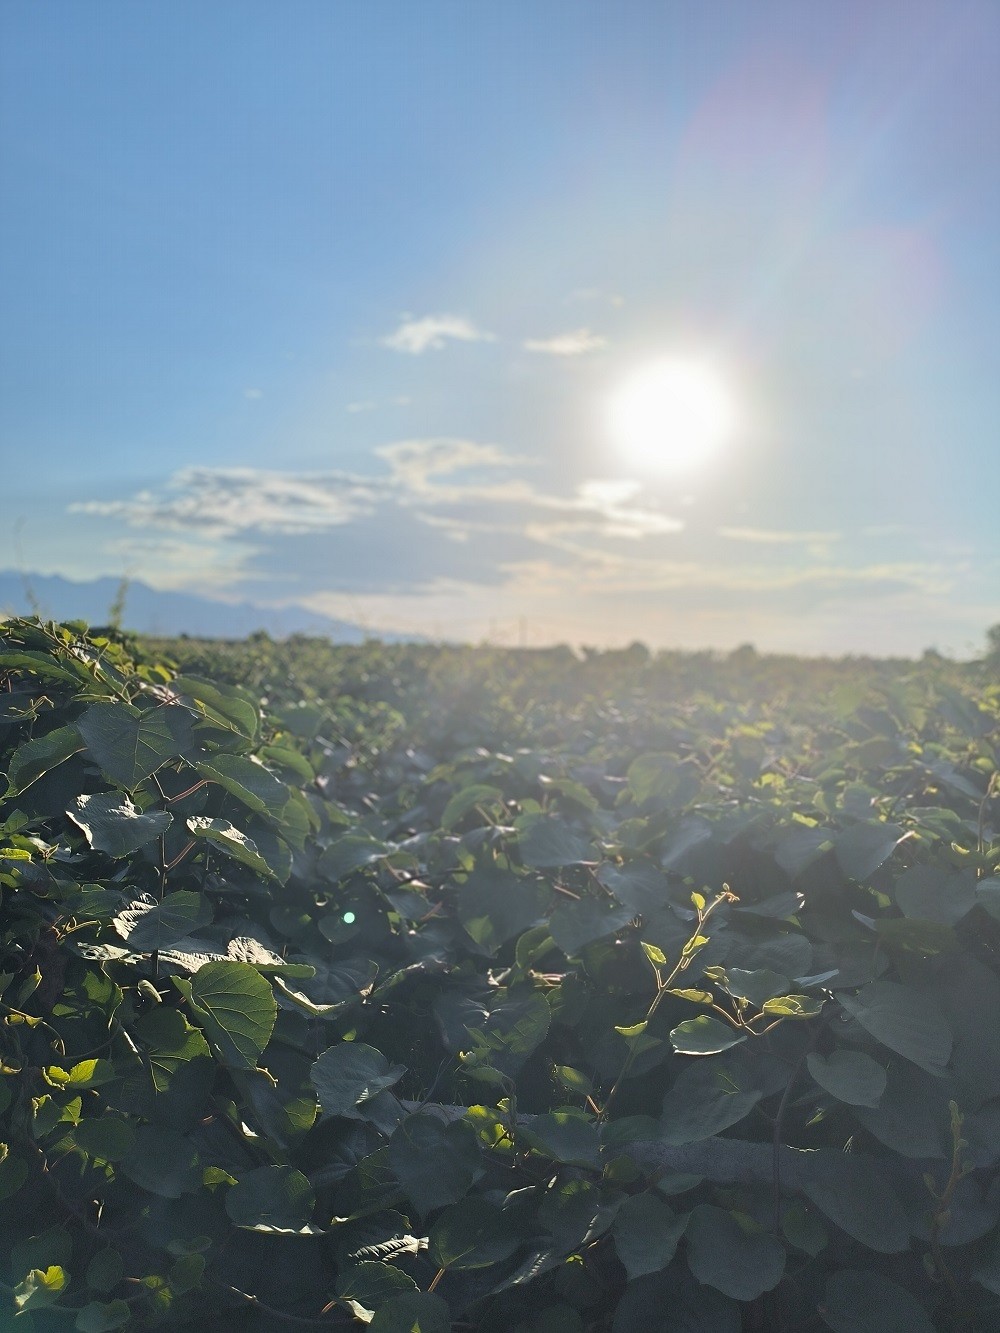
[[653, 321]]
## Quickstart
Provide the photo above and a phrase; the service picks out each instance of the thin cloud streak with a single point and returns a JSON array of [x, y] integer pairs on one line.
[[778, 536], [577, 342]]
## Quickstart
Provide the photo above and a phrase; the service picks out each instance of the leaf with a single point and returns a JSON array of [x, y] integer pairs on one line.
[[569, 1137], [735, 1257], [162, 1161], [98, 1317], [129, 744], [906, 1020], [862, 848], [147, 925], [654, 777], [236, 1008], [803, 1229], [109, 1137], [574, 925], [413, 1312], [866, 1302], [646, 1232], [757, 986], [251, 783], [913, 936], [704, 1035], [369, 1285], [858, 1197], [547, 842], [850, 1076], [271, 1198], [988, 896], [348, 854], [640, 886], [707, 1097], [112, 824], [226, 705], [235, 843], [690, 833], [435, 1163], [467, 799], [105, 1270], [801, 848], [36, 757], [793, 1006], [472, 1234], [928, 893], [350, 1074], [41, 1287], [912, 1116], [495, 908]]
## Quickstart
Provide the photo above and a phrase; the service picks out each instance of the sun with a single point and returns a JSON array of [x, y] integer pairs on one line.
[[671, 415]]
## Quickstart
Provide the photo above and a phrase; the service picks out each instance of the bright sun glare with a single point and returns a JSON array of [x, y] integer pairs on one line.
[[671, 415]]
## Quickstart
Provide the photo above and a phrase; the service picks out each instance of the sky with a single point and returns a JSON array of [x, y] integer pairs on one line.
[[368, 307]]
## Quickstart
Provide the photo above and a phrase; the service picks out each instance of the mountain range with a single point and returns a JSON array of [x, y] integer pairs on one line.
[[152, 611]]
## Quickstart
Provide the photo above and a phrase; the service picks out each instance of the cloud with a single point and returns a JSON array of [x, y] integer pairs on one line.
[[413, 462], [219, 502], [778, 536], [578, 342], [432, 332], [253, 393], [363, 405]]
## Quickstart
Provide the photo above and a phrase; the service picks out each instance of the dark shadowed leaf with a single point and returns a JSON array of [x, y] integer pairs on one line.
[[867, 1302], [271, 1198], [704, 1035], [547, 842], [646, 1232], [732, 1254], [128, 744], [856, 1195], [574, 925], [35, 757], [472, 1234], [706, 1097], [862, 848], [350, 1074], [413, 1312], [906, 1020], [931, 893], [436, 1163], [850, 1076]]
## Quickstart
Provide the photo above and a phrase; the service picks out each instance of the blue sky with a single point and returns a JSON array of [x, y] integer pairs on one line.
[[324, 303]]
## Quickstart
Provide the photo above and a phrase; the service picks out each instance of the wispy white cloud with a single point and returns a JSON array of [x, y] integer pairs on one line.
[[219, 502], [432, 332], [778, 536], [362, 405], [253, 393], [577, 342], [414, 462]]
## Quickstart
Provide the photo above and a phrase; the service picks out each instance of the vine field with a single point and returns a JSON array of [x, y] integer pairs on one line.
[[424, 988]]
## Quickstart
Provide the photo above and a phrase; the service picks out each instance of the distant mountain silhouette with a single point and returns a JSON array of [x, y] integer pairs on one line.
[[148, 611]]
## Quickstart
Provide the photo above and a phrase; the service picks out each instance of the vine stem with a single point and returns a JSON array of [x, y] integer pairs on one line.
[[663, 986], [283, 1316]]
